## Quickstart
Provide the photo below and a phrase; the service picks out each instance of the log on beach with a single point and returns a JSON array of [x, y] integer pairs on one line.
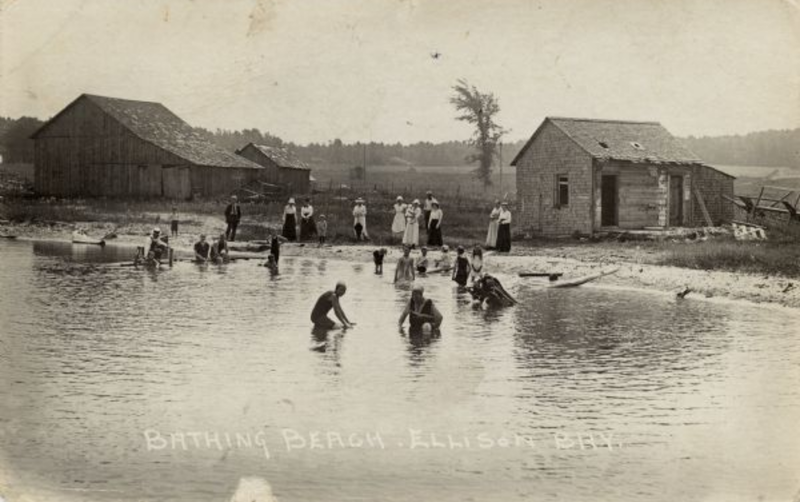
[[582, 280]]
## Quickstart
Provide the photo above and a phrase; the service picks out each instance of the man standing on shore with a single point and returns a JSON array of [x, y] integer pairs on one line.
[[327, 301], [233, 213], [427, 206]]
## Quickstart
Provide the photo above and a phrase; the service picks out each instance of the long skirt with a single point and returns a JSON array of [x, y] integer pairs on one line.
[[411, 235], [504, 238], [491, 236], [399, 223], [307, 228], [290, 227], [434, 234]]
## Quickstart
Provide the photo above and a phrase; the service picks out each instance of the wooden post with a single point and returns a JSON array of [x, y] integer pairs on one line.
[[170, 257], [758, 201]]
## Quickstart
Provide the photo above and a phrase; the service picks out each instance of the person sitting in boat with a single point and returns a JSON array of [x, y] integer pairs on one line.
[[327, 301], [201, 250], [488, 289], [156, 245], [423, 315]]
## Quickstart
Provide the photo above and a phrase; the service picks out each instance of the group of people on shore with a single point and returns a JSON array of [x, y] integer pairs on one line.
[[408, 218]]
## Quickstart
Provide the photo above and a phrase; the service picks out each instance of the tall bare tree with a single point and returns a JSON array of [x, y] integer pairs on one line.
[[480, 110]]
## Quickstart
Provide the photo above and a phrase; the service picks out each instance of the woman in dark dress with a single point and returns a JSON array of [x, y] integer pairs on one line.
[[504, 229], [461, 269], [307, 227], [290, 221], [435, 226]]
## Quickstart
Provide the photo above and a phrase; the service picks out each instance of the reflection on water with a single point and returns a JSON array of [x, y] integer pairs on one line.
[[581, 394]]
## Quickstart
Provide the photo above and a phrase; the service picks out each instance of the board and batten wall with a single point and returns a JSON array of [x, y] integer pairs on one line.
[[298, 180], [86, 152]]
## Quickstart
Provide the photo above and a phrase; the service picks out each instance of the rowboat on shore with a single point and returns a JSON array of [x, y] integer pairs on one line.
[[79, 237]]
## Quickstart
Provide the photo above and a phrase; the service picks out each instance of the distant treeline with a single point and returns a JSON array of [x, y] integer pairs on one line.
[[767, 148]]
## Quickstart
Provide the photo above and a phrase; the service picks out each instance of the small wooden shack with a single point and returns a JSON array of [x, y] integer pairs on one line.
[[587, 175], [101, 146], [281, 166]]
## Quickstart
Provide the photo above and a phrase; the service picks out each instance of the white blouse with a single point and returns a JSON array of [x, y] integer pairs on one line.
[[505, 216], [289, 209], [307, 211], [360, 214], [436, 214]]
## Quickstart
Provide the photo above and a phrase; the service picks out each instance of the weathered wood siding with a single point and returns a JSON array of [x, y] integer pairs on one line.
[[552, 154], [86, 152], [297, 180], [713, 184], [643, 193], [270, 174]]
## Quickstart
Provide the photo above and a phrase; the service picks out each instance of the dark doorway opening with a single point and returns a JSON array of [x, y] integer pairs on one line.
[[609, 195], [675, 201]]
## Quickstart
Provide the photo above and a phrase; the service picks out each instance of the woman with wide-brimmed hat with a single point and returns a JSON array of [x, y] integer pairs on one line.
[[360, 220], [504, 229], [411, 234], [290, 221], [399, 222]]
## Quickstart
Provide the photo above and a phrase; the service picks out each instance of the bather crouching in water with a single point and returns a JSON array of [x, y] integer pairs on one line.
[[487, 289], [424, 318]]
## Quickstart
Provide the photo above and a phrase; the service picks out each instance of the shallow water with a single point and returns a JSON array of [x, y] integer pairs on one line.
[[124, 384]]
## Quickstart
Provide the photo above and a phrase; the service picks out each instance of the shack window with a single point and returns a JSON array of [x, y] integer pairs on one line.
[[562, 190]]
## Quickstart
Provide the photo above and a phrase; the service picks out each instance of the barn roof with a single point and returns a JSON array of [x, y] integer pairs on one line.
[[645, 142], [156, 124], [280, 156]]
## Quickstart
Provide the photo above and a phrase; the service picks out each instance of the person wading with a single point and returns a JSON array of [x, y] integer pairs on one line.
[[423, 315], [327, 301]]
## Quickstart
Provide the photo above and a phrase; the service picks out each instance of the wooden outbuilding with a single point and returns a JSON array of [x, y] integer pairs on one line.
[[587, 175], [281, 166], [101, 146]]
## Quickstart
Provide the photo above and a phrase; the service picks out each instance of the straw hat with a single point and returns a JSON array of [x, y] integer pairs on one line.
[[399, 198], [416, 201], [291, 200], [359, 200]]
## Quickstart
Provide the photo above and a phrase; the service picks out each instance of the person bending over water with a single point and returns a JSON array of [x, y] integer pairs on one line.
[[422, 263], [424, 317], [327, 301]]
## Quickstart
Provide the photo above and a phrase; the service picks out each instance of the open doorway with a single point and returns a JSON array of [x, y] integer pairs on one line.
[[609, 196], [675, 201]]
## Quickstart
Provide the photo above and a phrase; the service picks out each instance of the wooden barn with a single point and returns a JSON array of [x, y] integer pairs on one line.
[[282, 167], [585, 175], [100, 146]]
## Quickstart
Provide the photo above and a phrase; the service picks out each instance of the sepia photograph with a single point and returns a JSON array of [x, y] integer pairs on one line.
[[399, 250]]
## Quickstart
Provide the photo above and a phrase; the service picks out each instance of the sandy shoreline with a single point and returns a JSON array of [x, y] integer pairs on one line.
[[572, 260]]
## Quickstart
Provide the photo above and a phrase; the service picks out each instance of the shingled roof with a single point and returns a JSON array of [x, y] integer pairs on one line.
[[643, 142], [154, 123], [282, 157]]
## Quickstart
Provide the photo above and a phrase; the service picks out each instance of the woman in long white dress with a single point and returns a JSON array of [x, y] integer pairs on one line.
[[491, 236], [411, 235], [360, 220], [399, 222]]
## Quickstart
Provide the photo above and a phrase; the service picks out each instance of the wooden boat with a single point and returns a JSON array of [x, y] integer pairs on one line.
[[581, 280], [81, 238]]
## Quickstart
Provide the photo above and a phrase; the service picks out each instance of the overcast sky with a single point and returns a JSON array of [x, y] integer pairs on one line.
[[315, 70]]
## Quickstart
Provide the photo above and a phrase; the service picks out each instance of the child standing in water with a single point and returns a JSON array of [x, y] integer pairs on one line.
[[173, 222], [422, 264], [377, 256], [461, 269], [476, 264], [405, 267], [322, 229]]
